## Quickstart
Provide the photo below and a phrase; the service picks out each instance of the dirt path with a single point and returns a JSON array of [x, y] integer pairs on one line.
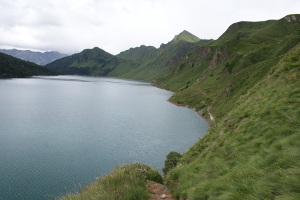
[[158, 191]]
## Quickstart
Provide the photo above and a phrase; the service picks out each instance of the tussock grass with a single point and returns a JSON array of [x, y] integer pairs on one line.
[[122, 183]]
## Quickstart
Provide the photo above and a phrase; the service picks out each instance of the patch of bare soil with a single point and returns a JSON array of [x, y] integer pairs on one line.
[[158, 191]]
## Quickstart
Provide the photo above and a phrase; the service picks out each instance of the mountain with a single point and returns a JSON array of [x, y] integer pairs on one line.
[[186, 37], [228, 67], [94, 62], [252, 151], [141, 63], [33, 56], [11, 67], [151, 63], [246, 84]]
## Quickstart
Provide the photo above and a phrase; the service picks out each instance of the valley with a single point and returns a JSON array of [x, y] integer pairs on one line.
[[245, 83]]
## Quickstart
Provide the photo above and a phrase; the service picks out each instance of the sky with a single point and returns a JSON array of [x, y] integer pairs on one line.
[[69, 26]]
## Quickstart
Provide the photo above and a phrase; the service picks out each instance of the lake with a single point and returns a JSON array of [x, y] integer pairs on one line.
[[58, 134]]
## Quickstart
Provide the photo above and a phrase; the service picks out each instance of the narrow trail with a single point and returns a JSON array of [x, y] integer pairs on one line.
[[158, 191]]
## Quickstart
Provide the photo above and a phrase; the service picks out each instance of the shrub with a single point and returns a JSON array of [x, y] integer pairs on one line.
[[171, 162]]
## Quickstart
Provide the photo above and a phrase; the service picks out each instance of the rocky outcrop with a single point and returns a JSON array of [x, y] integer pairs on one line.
[[219, 57], [203, 52], [291, 18]]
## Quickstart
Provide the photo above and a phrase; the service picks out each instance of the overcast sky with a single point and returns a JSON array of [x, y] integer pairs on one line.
[[69, 26]]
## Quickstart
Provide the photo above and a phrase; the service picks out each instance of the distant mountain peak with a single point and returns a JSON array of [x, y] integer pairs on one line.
[[186, 36]]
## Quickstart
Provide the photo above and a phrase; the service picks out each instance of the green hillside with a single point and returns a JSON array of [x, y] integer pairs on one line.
[[248, 80], [95, 62], [151, 64], [253, 152], [140, 63], [228, 67], [246, 83], [11, 67]]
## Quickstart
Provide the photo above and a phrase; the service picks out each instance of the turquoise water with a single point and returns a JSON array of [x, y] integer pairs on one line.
[[57, 134]]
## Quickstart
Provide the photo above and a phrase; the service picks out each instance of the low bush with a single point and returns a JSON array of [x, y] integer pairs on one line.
[[171, 162]]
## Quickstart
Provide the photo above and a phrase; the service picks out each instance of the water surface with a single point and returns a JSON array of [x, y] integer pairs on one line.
[[57, 134]]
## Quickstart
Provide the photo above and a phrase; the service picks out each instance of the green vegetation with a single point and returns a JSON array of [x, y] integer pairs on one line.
[[247, 83], [172, 161], [141, 63], [217, 74], [94, 61], [253, 152], [11, 67], [124, 182]]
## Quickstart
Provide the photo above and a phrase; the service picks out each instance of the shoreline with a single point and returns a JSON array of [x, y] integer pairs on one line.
[[208, 120]]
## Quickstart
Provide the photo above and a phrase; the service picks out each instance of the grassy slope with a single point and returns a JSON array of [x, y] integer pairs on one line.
[[249, 80], [141, 63], [125, 182], [94, 61], [253, 152], [253, 149], [150, 63], [228, 67]]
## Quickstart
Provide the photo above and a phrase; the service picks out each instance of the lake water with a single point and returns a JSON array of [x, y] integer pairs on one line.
[[57, 134]]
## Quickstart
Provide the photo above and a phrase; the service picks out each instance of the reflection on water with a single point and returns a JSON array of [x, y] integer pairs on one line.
[[91, 79]]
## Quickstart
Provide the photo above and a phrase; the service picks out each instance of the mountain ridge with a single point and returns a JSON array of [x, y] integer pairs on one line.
[[40, 58], [134, 63]]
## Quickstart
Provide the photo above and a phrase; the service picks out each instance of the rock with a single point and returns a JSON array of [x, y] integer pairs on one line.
[[164, 188]]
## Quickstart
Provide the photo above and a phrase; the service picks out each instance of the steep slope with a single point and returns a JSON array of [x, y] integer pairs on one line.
[[11, 67], [151, 63], [139, 59], [186, 37], [40, 58], [247, 82], [228, 67], [124, 183], [169, 53], [253, 151]]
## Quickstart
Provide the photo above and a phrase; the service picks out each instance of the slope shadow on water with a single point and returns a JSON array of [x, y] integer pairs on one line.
[[91, 79]]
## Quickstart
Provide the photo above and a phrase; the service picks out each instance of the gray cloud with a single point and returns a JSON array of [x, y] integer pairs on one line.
[[72, 25]]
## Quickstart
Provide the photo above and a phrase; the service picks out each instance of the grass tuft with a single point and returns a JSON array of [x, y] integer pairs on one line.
[[122, 183]]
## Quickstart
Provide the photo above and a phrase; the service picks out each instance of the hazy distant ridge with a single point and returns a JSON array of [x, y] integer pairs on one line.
[[34, 56]]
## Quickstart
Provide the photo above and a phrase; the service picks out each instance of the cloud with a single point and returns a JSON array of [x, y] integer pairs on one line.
[[72, 25]]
